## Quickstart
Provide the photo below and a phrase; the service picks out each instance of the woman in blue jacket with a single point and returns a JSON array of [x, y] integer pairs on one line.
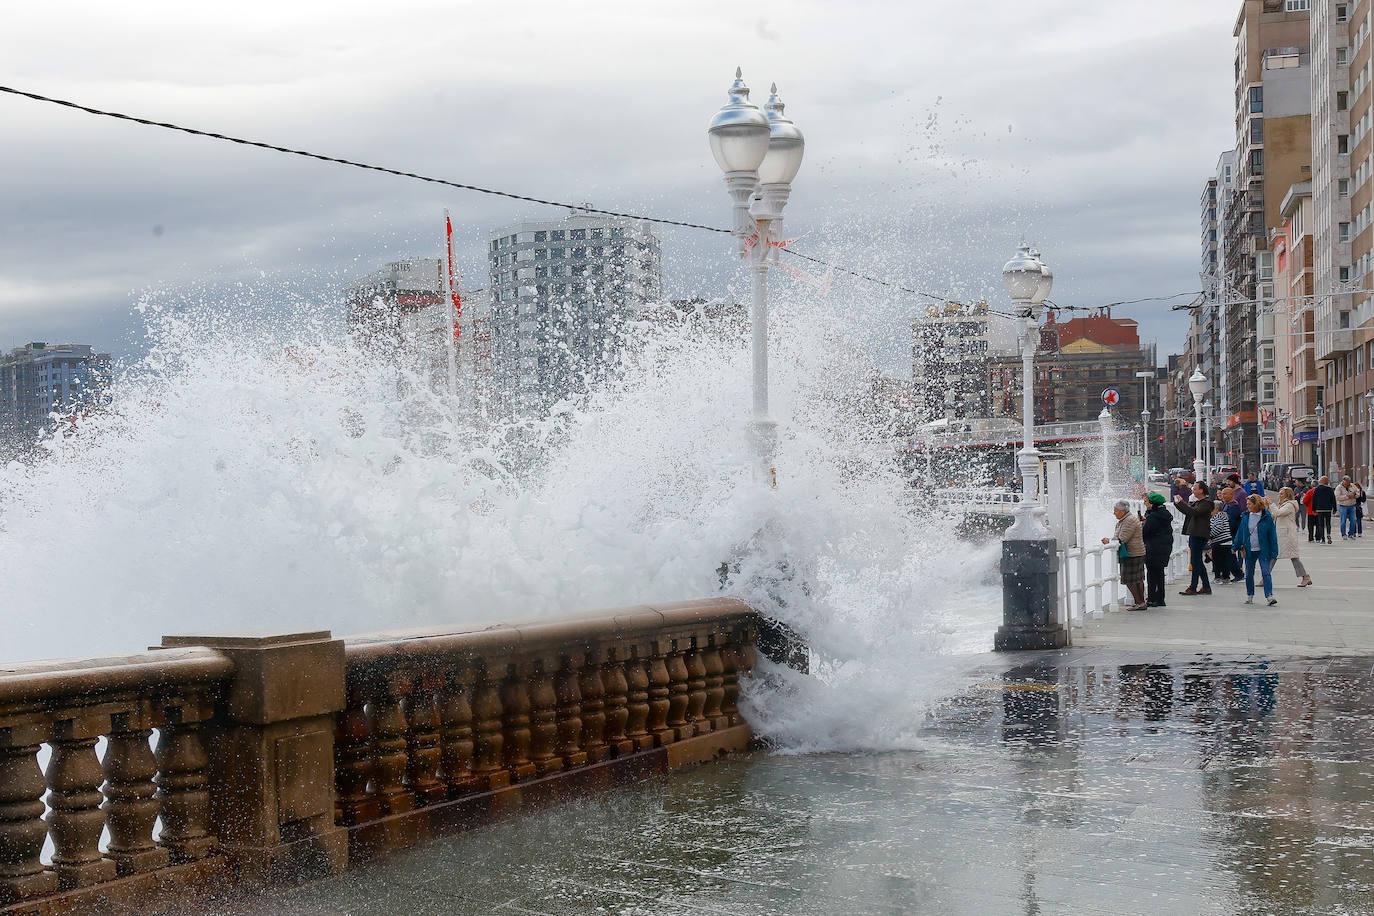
[[1258, 540]]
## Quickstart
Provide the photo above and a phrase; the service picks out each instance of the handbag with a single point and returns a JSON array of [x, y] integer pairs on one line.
[[1121, 553]]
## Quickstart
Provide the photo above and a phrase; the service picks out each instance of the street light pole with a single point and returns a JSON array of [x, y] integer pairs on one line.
[[1209, 443], [1369, 438], [760, 152], [1197, 386], [1104, 419], [1321, 446], [1145, 420], [1027, 281]]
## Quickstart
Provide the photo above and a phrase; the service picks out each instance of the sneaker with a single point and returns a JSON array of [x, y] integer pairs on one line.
[[1250, 599], [1273, 601]]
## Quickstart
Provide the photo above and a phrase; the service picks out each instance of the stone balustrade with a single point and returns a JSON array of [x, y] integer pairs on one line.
[[285, 756]]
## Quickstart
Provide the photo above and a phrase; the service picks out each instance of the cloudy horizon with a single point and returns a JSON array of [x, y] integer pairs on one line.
[[938, 138]]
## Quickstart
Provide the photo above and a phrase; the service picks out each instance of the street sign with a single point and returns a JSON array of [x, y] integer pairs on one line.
[[1297, 441], [1306, 435], [1110, 397]]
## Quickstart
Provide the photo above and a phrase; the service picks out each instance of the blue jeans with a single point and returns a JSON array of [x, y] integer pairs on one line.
[[1347, 521], [1251, 558]]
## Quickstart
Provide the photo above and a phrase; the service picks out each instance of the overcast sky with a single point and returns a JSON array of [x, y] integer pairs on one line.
[[939, 135]]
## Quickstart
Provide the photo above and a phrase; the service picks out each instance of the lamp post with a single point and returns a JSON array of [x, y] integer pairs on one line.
[[1369, 437], [1209, 444], [1285, 447], [1028, 281], [1145, 419], [1030, 564], [1321, 446], [760, 151], [1197, 386], [1104, 419]]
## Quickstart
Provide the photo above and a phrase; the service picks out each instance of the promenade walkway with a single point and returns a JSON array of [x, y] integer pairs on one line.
[[1335, 616]]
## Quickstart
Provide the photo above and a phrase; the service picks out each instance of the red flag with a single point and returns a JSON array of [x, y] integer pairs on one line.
[[453, 287]]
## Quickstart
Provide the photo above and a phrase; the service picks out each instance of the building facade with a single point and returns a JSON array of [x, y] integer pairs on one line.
[[1273, 123], [563, 296], [40, 379], [1076, 362], [951, 345], [1342, 313], [1292, 424]]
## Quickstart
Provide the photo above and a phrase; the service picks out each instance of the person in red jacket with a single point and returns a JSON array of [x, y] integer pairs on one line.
[[1311, 514]]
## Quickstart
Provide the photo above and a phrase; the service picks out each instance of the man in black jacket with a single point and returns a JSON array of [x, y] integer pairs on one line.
[[1197, 525], [1158, 532], [1324, 504]]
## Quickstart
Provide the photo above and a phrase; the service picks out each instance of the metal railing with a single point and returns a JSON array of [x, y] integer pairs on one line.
[[1090, 580]]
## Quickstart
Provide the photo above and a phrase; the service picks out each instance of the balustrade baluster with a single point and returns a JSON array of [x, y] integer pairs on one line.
[[696, 687], [22, 828], [660, 693], [458, 745], [390, 759], [637, 701], [130, 803], [182, 784], [353, 766], [515, 701], [617, 704], [76, 820], [488, 738], [422, 742], [730, 660], [676, 663], [592, 687], [543, 720], [715, 686], [568, 692]]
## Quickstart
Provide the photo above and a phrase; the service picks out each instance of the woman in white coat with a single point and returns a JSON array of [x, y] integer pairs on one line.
[[1285, 514]]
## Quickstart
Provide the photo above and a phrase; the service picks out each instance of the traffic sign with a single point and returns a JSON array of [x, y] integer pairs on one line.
[[1110, 397], [1296, 442]]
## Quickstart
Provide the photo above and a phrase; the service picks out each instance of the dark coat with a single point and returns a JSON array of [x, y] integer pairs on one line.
[[1197, 518], [1323, 498], [1158, 531], [1234, 514]]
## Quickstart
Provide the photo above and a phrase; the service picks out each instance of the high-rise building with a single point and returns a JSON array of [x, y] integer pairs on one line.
[[1288, 328], [951, 344], [1273, 123], [39, 379], [563, 296], [1342, 313], [1218, 287]]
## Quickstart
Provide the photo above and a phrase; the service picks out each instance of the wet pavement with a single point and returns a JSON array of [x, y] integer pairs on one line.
[[1084, 781]]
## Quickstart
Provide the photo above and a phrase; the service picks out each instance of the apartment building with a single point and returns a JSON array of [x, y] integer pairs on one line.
[[563, 296], [1342, 318], [1288, 326], [1273, 103], [951, 344], [39, 380]]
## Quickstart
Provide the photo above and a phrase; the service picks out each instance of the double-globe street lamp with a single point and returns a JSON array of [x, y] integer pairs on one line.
[[1145, 377], [1321, 445], [760, 151], [1028, 281], [1197, 386]]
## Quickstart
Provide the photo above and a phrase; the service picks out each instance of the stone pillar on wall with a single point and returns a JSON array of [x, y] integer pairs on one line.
[[271, 754]]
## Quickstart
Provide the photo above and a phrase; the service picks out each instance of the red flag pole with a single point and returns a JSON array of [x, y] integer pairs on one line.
[[453, 309]]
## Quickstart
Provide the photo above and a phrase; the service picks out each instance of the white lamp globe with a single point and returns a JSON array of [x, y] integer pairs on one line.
[[739, 132]]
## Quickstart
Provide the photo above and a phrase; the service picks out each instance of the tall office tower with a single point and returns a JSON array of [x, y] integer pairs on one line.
[[1218, 286], [1341, 323], [563, 296], [1273, 152]]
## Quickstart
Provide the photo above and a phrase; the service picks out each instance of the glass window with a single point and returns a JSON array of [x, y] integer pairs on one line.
[[1257, 130], [541, 236], [557, 254], [579, 252], [1256, 104], [1296, 6], [578, 234], [1342, 12], [1256, 162], [1342, 57], [556, 235], [1342, 143], [617, 233], [1342, 100], [596, 233], [1343, 187], [1343, 231]]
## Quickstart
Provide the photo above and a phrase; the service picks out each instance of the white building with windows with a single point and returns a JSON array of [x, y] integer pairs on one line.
[[563, 296]]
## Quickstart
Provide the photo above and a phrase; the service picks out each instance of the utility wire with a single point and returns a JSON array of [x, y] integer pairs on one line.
[[321, 157], [349, 162]]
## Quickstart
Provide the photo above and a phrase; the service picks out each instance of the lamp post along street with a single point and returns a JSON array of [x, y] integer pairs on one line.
[[1030, 560], [1197, 386], [760, 151], [1321, 446], [1209, 446], [1104, 419], [1369, 439], [1145, 420]]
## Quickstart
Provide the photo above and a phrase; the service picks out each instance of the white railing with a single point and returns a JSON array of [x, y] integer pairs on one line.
[[984, 498], [1090, 578]]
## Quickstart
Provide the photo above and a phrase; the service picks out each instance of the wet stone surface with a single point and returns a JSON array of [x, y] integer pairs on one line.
[[1085, 782]]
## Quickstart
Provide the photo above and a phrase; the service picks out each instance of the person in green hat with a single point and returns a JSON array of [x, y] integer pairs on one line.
[[1157, 529]]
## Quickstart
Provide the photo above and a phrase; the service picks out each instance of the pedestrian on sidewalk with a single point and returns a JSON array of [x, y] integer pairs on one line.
[[1157, 531], [1220, 544], [1324, 504], [1235, 511], [1309, 513], [1299, 488], [1197, 525], [1286, 513], [1252, 486], [1258, 541], [1360, 508], [1346, 500], [1130, 552]]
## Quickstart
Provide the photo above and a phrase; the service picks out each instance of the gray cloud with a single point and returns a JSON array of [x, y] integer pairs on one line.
[[938, 137]]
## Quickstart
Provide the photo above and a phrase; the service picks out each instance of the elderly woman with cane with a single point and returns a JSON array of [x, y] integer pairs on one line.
[[1130, 552]]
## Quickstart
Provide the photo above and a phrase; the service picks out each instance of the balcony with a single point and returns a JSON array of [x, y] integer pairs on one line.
[[1334, 343]]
